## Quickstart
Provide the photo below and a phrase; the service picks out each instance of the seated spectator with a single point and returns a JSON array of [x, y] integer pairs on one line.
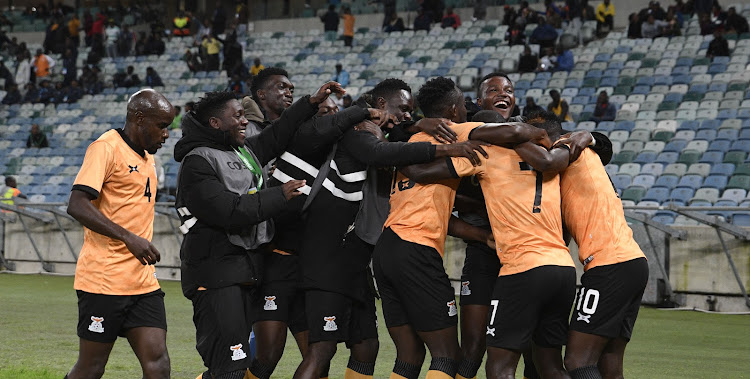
[[544, 34], [604, 111], [125, 42], [395, 24], [58, 92], [177, 121], [707, 27], [341, 76], [46, 92], [565, 60], [634, 26], [127, 79], [605, 15], [450, 20], [193, 61], [548, 60], [652, 28], [673, 27], [735, 23], [13, 96], [36, 138], [155, 45], [531, 106], [6, 75], [236, 85], [423, 21], [559, 106], [181, 25], [32, 94], [515, 35], [89, 80], [72, 93], [718, 16], [528, 61], [256, 67], [152, 78], [719, 47]]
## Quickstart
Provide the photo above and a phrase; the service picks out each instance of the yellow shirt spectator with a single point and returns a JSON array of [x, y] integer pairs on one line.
[[212, 45], [603, 10]]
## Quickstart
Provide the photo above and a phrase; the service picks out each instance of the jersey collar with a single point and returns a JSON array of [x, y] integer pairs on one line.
[[130, 143]]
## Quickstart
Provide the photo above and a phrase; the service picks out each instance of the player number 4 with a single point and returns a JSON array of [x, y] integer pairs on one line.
[[148, 189]]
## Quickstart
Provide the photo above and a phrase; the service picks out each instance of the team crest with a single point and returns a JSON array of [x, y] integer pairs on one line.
[[96, 324], [270, 304], [465, 290], [330, 325], [452, 311], [237, 352]]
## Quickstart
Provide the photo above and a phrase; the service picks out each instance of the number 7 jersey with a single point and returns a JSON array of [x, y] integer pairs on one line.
[[524, 210]]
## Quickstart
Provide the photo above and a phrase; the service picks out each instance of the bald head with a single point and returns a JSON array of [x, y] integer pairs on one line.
[[149, 116], [148, 102]]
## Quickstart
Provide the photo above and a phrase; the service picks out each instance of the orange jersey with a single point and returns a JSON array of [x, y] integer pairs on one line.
[[420, 212], [593, 214], [524, 210], [126, 183]]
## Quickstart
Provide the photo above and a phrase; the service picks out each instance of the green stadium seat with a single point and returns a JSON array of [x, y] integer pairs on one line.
[[689, 157], [739, 181], [735, 157], [634, 194], [623, 157]]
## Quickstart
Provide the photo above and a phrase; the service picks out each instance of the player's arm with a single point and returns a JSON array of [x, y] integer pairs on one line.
[[462, 229], [438, 128], [320, 132], [81, 209], [465, 203], [510, 134], [541, 159]]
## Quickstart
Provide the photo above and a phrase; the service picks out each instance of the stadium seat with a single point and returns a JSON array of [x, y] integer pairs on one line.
[[656, 194], [701, 169], [710, 195], [687, 156], [621, 181], [734, 194], [645, 181], [690, 181], [633, 194], [715, 181], [712, 157], [735, 157], [682, 194], [677, 169], [739, 182], [630, 169]]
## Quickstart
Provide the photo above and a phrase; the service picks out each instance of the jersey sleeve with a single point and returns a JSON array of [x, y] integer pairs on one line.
[[461, 167], [97, 167]]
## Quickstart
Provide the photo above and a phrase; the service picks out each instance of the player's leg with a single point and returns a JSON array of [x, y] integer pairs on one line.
[[501, 363], [270, 339], [610, 362], [582, 354], [317, 358], [410, 351], [363, 341], [529, 368], [445, 352], [551, 332], [146, 331], [92, 358]]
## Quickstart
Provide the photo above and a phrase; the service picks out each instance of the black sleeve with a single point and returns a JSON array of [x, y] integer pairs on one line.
[[44, 143], [211, 203], [602, 147], [273, 140], [400, 132], [28, 141], [319, 132], [370, 150]]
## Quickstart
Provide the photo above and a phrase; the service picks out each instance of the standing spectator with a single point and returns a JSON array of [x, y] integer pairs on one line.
[[125, 42], [42, 64], [70, 68], [88, 25], [510, 15], [735, 23], [434, 8], [605, 15], [112, 34], [348, 26], [480, 10], [396, 24], [604, 111], [515, 35], [36, 138], [652, 28], [256, 67], [155, 45], [531, 107], [330, 23], [544, 34], [634, 26], [558, 106], [233, 56], [341, 76], [74, 28], [54, 40], [719, 47], [152, 78], [389, 7], [450, 20], [565, 60], [193, 61], [242, 16], [219, 21], [13, 96], [6, 75], [11, 191], [528, 61], [212, 48], [422, 21], [587, 11], [181, 25]]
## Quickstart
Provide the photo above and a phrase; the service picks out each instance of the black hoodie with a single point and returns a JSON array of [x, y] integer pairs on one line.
[[223, 225]]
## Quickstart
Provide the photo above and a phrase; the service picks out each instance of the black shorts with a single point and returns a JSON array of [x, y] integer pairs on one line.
[[280, 298], [336, 317], [481, 267], [609, 299], [102, 318], [413, 285], [223, 318], [531, 305]]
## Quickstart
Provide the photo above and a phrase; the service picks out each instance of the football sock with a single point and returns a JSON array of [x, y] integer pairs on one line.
[[259, 370], [403, 370], [359, 370], [588, 372], [468, 369], [442, 367]]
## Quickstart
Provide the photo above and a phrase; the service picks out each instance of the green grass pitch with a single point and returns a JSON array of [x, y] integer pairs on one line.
[[38, 316]]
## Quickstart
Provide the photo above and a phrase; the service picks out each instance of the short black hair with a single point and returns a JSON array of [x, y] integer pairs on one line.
[[211, 104], [488, 116], [548, 121], [9, 180], [263, 77], [389, 87], [488, 76], [437, 95]]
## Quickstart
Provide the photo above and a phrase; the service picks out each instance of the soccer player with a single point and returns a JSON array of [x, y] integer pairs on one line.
[[115, 280], [225, 206], [615, 269], [418, 301]]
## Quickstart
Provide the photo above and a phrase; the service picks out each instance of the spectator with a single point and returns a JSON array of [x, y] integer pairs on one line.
[[341, 76], [212, 48], [193, 61], [46, 92], [181, 25], [718, 16], [450, 20], [256, 67], [652, 28], [11, 191], [219, 21], [735, 23], [90, 80], [36, 138], [42, 64], [72, 93], [422, 21], [74, 28], [88, 25], [112, 35], [54, 39], [548, 60], [480, 10], [434, 8], [6, 75], [347, 101], [125, 42], [604, 111], [634, 26], [70, 68], [204, 29], [719, 47], [510, 15], [32, 93], [177, 118], [233, 57], [389, 7], [673, 27], [155, 45], [349, 20], [396, 24], [565, 60], [605, 15], [127, 79], [189, 106], [528, 61], [531, 107], [236, 85], [330, 23], [515, 35], [242, 15], [140, 44], [544, 34], [13, 96], [152, 78], [558, 106], [587, 11]]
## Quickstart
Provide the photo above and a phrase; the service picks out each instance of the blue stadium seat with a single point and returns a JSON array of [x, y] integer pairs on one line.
[[740, 145], [644, 81], [689, 125], [624, 125], [719, 145], [587, 91], [674, 97], [605, 126], [641, 90], [663, 219], [723, 203], [718, 87], [697, 87], [675, 146], [712, 157], [725, 169], [682, 194], [710, 124], [690, 181], [667, 158], [667, 181], [716, 181], [706, 135], [658, 194], [717, 68], [728, 134], [726, 114], [741, 219], [663, 80], [745, 134], [621, 181], [684, 61], [645, 157], [681, 79], [645, 181]]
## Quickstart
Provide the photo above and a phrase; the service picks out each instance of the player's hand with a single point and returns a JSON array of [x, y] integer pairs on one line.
[[467, 149], [382, 117], [438, 128], [322, 93], [491, 241], [143, 250], [369, 126], [290, 188], [541, 138], [577, 141]]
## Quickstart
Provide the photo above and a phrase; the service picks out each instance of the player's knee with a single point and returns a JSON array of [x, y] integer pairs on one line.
[[611, 372], [573, 361], [367, 350], [158, 368], [270, 355], [322, 351], [473, 349]]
